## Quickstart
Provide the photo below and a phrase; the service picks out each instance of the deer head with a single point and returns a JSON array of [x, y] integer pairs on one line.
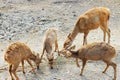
[[68, 42], [36, 59], [67, 52], [50, 59]]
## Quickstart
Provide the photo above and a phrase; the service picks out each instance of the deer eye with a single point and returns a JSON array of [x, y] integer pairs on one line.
[[65, 44], [69, 43]]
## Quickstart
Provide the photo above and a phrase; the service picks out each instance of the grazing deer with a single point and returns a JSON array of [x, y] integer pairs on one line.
[[18, 52], [50, 39], [95, 51], [88, 21]]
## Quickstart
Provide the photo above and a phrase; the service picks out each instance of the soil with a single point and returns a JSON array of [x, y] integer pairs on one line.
[[27, 20]]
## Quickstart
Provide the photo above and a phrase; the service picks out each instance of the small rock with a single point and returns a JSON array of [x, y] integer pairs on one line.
[[9, 38], [28, 0], [42, 8], [2, 50], [74, 15]]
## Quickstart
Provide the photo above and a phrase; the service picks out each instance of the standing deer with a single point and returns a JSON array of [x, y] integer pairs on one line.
[[95, 51], [90, 20], [18, 52], [50, 39]]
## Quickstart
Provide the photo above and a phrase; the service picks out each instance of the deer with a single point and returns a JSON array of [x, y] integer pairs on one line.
[[49, 41], [90, 20], [17, 53], [94, 51]]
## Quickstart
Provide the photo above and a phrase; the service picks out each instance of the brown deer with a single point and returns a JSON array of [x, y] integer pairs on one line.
[[18, 52], [88, 21], [50, 39], [95, 51]]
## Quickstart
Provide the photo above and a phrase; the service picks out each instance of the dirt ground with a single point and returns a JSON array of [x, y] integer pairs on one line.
[[27, 20]]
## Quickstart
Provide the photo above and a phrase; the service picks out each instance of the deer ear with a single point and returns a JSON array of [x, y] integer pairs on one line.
[[72, 47], [37, 55], [69, 34]]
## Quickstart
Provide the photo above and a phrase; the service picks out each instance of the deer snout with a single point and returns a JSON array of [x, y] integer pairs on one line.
[[65, 52], [51, 63], [37, 67]]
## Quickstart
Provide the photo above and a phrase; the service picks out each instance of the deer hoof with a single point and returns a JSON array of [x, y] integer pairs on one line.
[[51, 67], [80, 74], [103, 72], [23, 72]]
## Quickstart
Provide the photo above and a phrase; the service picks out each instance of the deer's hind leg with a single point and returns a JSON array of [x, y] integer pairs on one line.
[[85, 37], [105, 30], [108, 32], [110, 63], [83, 66], [107, 66], [77, 63], [14, 68], [10, 71], [23, 66], [114, 67]]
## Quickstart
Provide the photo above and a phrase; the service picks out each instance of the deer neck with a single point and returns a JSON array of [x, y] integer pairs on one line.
[[74, 33], [32, 57], [74, 54]]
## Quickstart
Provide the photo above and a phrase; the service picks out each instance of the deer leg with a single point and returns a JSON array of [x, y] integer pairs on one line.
[[108, 32], [85, 38], [77, 62], [10, 71], [107, 66], [83, 66], [14, 68], [29, 62], [56, 46], [104, 38], [105, 30], [114, 67], [42, 53], [23, 67]]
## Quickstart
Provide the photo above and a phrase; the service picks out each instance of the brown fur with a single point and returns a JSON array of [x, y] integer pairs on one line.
[[18, 52], [50, 39], [95, 51], [90, 20]]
